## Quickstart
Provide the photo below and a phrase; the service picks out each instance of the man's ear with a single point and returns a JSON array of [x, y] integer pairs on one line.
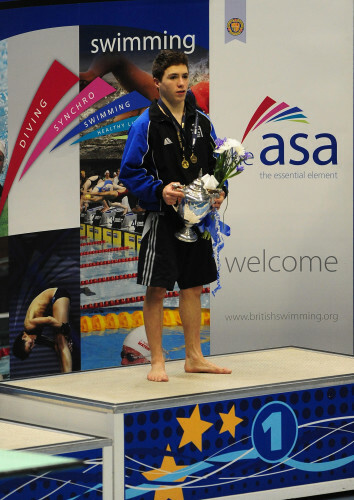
[[157, 82]]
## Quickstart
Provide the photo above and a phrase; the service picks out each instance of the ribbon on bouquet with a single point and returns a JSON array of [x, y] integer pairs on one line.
[[216, 228]]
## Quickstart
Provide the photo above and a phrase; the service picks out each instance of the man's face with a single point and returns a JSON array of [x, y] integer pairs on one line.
[[132, 357], [174, 84], [29, 342]]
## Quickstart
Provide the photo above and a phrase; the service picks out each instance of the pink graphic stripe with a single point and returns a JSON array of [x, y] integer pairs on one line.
[[95, 91], [271, 113], [53, 87], [262, 108]]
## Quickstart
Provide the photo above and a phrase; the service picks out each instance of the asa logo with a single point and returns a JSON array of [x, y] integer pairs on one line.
[[297, 151]]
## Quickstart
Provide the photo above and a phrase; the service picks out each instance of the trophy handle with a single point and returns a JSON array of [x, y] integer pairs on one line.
[[177, 187]]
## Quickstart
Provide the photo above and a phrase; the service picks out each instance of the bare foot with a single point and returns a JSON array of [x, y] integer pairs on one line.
[[202, 365], [157, 373]]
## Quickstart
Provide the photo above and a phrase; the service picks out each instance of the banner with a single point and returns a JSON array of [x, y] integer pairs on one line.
[[286, 269], [75, 77]]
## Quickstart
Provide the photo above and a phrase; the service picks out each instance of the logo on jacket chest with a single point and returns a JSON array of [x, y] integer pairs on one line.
[[199, 132], [168, 141]]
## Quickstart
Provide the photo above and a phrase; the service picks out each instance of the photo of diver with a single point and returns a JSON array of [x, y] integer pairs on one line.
[[44, 303], [51, 309]]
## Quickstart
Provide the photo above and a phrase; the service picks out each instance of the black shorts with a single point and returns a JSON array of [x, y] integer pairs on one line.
[[60, 292], [165, 260]]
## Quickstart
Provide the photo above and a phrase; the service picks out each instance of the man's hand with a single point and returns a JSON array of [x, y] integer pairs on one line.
[[172, 193], [217, 203]]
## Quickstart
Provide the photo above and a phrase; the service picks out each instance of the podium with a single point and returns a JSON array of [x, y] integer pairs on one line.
[[280, 426]]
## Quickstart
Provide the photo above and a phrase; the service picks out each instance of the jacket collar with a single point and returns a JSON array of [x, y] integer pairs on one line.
[[156, 114]]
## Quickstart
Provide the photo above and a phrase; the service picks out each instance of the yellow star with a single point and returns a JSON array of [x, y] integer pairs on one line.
[[173, 493], [193, 428], [168, 465], [229, 421]]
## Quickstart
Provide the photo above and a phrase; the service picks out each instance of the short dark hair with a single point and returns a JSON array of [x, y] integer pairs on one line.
[[165, 59], [18, 347]]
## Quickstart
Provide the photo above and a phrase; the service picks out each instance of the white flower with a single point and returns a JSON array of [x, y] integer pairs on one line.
[[230, 154], [235, 145], [232, 143], [240, 150], [221, 149]]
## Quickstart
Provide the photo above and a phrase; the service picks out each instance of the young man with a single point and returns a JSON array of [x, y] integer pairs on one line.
[[50, 308], [167, 145]]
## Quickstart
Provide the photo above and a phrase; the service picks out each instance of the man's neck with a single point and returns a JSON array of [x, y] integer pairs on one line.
[[177, 110]]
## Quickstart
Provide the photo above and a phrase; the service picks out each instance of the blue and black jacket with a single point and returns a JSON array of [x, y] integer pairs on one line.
[[152, 156]]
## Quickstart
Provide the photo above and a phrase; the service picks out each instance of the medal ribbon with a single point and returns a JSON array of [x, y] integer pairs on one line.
[[180, 128], [194, 135]]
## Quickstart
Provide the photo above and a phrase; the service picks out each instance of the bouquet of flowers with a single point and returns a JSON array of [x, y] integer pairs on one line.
[[230, 156]]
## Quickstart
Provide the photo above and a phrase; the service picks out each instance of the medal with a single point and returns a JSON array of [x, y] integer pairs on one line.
[[193, 158], [181, 135]]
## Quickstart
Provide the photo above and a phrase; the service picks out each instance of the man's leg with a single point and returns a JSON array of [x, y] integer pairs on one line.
[[61, 308], [64, 354], [190, 312], [153, 319]]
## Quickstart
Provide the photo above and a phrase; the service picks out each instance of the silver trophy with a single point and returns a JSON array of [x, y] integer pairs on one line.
[[195, 205]]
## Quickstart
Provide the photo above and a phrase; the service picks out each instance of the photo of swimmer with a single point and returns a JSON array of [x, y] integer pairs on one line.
[[44, 303], [135, 350]]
